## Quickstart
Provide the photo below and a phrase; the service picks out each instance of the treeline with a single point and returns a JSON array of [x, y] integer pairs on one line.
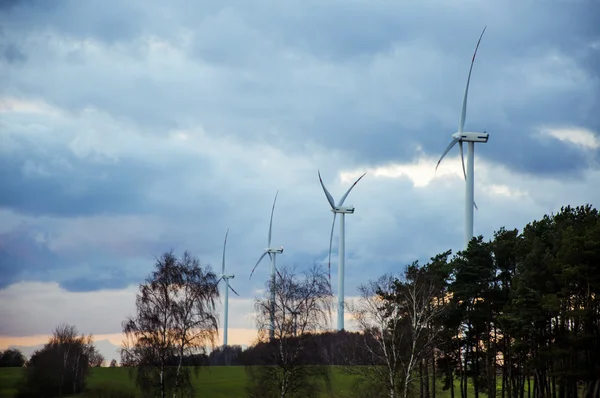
[[523, 308], [329, 348], [515, 316]]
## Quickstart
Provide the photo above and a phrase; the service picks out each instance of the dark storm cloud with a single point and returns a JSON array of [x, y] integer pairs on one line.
[[113, 279], [258, 90], [543, 156], [32, 252], [63, 185], [8, 4], [365, 82], [11, 53], [22, 258], [75, 18]]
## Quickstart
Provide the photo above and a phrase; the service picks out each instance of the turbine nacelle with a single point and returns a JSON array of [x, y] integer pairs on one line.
[[227, 276], [471, 137], [343, 209], [271, 251]]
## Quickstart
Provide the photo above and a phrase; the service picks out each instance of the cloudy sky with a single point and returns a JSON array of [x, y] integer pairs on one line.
[[131, 128]]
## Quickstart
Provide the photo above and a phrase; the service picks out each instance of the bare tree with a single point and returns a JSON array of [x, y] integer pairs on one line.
[[396, 319], [175, 320], [95, 358], [383, 325], [302, 306]]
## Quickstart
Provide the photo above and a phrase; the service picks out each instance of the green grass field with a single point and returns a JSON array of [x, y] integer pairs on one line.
[[216, 381]]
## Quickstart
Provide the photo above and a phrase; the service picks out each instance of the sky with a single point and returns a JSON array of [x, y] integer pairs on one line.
[[128, 129]]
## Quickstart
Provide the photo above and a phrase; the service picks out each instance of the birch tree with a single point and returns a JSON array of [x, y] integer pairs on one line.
[[175, 320], [302, 306], [395, 317]]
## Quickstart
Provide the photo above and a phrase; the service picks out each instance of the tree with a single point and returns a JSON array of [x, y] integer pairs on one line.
[[396, 318], [61, 367], [226, 356], [302, 307], [12, 358], [95, 359], [175, 320], [473, 299], [113, 363]]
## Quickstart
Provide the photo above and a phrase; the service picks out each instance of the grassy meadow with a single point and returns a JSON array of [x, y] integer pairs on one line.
[[215, 381]]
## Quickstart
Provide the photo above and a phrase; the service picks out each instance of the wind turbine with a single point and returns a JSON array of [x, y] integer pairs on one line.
[[343, 210], [272, 252], [470, 138], [226, 278]]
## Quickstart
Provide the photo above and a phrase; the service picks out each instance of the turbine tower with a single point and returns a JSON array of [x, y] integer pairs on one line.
[[470, 138], [272, 252], [342, 210], [226, 278]]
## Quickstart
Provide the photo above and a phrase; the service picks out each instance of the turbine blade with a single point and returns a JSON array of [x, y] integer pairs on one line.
[[475, 204], [463, 114], [454, 141], [258, 262], [224, 246], [219, 280], [462, 159], [350, 189], [329, 197], [271, 222], [233, 290], [330, 242]]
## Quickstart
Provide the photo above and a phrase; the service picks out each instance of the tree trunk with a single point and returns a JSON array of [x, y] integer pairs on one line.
[[426, 377], [476, 364], [178, 371], [75, 374], [433, 374], [421, 388], [451, 384], [162, 380], [461, 369]]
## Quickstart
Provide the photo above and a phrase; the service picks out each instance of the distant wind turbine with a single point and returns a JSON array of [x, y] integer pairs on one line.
[[471, 138], [226, 278], [295, 312], [272, 252], [343, 210]]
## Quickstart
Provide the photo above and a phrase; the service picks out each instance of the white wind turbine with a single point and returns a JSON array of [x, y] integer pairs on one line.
[[343, 210], [226, 278], [471, 138], [272, 252]]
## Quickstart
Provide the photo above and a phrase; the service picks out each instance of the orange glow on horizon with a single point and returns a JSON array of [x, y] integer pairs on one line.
[[237, 336]]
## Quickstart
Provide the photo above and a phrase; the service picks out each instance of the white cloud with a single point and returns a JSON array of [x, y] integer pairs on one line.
[[579, 136], [46, 305]]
